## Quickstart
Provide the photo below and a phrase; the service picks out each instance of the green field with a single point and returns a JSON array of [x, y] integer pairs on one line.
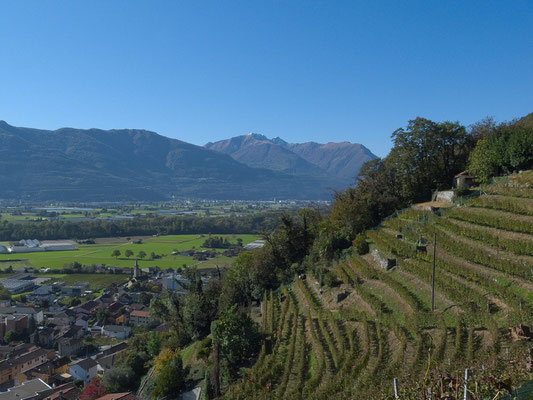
[[94, 254], [96, 281]]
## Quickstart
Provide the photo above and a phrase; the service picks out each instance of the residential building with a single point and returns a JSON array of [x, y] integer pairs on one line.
[[140, 318], [85, 370], [27, 311], [43, 294], [11, 367], [29, 390], [68, 346], [46, 372], [74, 291], [16, 323], [83, 322], [116, 331], [106, 359], [67, 391]]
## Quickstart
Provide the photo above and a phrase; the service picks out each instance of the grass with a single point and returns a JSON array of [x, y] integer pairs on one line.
[[96, 281], [95, 254], [187, 352]]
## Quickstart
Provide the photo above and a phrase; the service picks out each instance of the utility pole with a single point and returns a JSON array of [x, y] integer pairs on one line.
[[433, 274]]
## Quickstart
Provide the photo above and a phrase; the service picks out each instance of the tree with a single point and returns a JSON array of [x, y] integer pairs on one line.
[[238, 336], [10, 336], [144, 298], [196, 315], [141, 254], [116, 253], [137, 362], [4, 293], [120, 379], [153, 255], [360, 243], [93, 390], [507, 149], [170, 379], [101, 315], [128, 253], [482, 162], [426, 156], [154, 344]]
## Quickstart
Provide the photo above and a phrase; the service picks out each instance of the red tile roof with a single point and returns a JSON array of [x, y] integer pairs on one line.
[[139, 313]]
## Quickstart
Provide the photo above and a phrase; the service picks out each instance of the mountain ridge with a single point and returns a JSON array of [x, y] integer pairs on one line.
[[340, 161], [71, 164]]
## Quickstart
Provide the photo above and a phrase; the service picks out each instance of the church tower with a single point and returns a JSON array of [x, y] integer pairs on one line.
[[136, 270]]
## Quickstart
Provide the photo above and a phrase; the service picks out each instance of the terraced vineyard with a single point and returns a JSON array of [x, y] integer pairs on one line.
[[321, 346]]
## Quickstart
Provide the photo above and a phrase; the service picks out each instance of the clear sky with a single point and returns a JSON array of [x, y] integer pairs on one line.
[[307, 70]]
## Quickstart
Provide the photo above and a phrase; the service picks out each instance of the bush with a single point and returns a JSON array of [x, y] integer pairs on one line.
[[360, 244], [461, 191], [205, 349], [120, 379], [330, 279]]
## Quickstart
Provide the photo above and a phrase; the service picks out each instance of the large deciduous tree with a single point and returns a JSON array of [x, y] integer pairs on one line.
[[238, 337]]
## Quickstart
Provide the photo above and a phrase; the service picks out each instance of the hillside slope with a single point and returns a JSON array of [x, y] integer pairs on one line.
[[96, 165], [319, 345]]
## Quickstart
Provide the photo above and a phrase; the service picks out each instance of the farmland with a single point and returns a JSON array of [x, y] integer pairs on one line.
[[101, 253], [319, 345], [36, 212]]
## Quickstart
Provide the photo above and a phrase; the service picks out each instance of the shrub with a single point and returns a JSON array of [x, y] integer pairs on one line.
[[361, 245], [330, 280], [461, 191]]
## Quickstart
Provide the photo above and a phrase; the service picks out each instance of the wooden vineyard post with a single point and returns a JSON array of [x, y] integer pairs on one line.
[[433, 274], [395, 383]]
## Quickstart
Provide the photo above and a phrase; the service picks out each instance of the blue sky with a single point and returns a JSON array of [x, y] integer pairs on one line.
[[324, 71]]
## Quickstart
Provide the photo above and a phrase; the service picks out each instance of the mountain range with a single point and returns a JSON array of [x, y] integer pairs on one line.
[[339, 162], [87, 165]]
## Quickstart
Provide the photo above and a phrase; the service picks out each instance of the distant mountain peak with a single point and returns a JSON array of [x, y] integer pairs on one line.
[[279, 141], [257, 136], [340, 162]]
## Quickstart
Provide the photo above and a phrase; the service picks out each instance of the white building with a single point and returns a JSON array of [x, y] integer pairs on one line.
[[116, 331], [33, 245], [26, 246], [256, 244], [85, 370], [58, 246]]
